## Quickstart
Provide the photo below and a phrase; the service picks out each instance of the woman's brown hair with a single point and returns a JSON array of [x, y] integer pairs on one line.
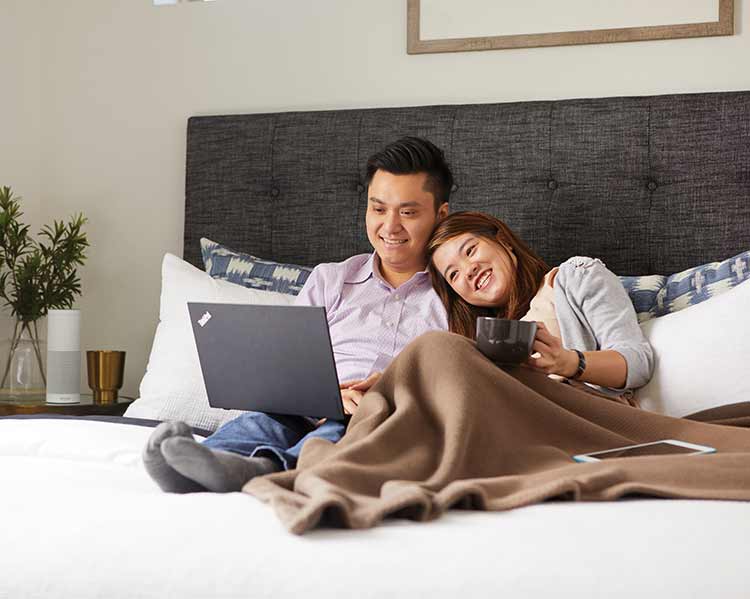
[[527, 277]]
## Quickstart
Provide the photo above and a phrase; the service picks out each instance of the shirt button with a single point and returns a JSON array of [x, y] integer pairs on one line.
[[397, 296]]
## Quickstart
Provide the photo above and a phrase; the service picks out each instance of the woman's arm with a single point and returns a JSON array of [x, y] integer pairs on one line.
[[597, 297], [607, 368]]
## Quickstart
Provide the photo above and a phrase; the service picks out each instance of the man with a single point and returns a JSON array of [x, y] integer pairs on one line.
[[375, 304]]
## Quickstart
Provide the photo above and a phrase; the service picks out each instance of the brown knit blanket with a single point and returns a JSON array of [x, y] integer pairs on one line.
[[445, 428]]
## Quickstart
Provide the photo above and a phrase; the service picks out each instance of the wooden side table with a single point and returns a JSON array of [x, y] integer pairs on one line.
[[87, 407]]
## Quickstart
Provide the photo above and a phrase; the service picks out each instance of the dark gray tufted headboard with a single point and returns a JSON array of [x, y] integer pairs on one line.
[[647, 184]]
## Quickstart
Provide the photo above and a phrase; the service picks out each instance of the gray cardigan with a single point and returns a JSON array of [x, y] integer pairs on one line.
[[594, 312]]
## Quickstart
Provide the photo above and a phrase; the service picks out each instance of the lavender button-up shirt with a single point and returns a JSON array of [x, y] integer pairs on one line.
[[370, 322]]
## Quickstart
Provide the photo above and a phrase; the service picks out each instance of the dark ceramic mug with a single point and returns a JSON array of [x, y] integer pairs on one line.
[[505, 341]]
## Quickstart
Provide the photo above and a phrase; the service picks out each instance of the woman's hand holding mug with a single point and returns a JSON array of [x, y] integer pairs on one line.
[[553, 357]]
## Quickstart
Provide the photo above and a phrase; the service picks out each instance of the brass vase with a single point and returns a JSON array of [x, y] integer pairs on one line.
[[105, 370]]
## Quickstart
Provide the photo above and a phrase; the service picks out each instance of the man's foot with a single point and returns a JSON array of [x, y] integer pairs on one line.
[[166, 477], [218, 471]]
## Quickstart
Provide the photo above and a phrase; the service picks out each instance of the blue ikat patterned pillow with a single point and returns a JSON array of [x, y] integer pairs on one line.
[[246, 270], [643, 292], [657, 295]]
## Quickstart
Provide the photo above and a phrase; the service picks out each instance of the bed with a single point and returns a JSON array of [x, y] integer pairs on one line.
[[628, 180]]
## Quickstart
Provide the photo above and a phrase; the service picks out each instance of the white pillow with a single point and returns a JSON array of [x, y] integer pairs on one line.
[[701, 355], [172, 388]]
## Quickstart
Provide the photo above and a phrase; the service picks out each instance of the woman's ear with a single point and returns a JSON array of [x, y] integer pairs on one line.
[[512, 254]]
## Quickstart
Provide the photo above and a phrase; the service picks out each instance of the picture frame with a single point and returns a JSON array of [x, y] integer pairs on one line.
[[416, 45]]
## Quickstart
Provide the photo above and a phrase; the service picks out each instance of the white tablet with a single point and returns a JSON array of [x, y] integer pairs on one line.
[[663, 447]]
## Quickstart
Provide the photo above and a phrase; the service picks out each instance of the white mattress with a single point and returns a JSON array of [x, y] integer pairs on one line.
[[81, 518]]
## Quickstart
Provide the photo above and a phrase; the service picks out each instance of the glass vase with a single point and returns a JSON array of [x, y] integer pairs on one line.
[[23, 373]]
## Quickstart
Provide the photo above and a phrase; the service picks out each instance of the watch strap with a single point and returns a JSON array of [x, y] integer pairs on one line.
[[581, 365]]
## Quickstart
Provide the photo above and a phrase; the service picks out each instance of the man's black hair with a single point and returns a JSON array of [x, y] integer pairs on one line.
[[412, 155]]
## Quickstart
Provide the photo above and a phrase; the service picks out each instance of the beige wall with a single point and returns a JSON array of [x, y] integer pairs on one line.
[[20, 98], [20, 112], [119, 78]]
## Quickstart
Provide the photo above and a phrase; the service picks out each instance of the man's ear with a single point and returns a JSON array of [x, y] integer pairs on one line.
[[442, 211]]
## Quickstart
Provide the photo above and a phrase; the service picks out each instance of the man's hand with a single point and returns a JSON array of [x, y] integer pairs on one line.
[[351, 399], [353, 391], [362, 384], [554, 358]]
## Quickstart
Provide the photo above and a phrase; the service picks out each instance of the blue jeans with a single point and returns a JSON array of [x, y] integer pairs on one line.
[[259, 434]]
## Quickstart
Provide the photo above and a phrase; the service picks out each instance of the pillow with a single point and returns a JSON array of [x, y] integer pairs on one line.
[[643, 292], [701, 356], [172, 388], [657, 295], [249, 271], [696, 285]]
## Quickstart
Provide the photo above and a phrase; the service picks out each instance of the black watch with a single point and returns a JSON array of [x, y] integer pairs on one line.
[[581, 365]]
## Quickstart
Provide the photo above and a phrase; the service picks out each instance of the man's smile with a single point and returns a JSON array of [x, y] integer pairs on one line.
[[393, 242]]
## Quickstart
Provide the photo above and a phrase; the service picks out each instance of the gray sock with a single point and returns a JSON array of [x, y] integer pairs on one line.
[[218, 471], [166, 477]]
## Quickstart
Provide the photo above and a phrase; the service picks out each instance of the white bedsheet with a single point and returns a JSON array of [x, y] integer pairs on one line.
[[81, 518]]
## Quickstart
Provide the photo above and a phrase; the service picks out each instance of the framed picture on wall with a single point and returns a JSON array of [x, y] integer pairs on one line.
[[449, 26]]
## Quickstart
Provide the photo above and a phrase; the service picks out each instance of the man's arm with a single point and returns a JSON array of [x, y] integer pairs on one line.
[[313, 292]]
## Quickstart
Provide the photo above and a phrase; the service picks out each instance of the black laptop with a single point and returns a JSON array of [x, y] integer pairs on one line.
[[273, 359]]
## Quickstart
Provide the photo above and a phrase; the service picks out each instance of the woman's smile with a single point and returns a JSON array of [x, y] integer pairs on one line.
[[483, 279]]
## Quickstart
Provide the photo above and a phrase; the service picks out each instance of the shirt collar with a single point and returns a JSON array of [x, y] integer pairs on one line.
[[371, 268], [363, 273]]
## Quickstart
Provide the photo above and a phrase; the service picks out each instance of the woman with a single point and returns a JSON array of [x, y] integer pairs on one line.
[[588, 330]]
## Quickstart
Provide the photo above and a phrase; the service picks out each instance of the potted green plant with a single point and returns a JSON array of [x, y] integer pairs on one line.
[[36, 276]]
